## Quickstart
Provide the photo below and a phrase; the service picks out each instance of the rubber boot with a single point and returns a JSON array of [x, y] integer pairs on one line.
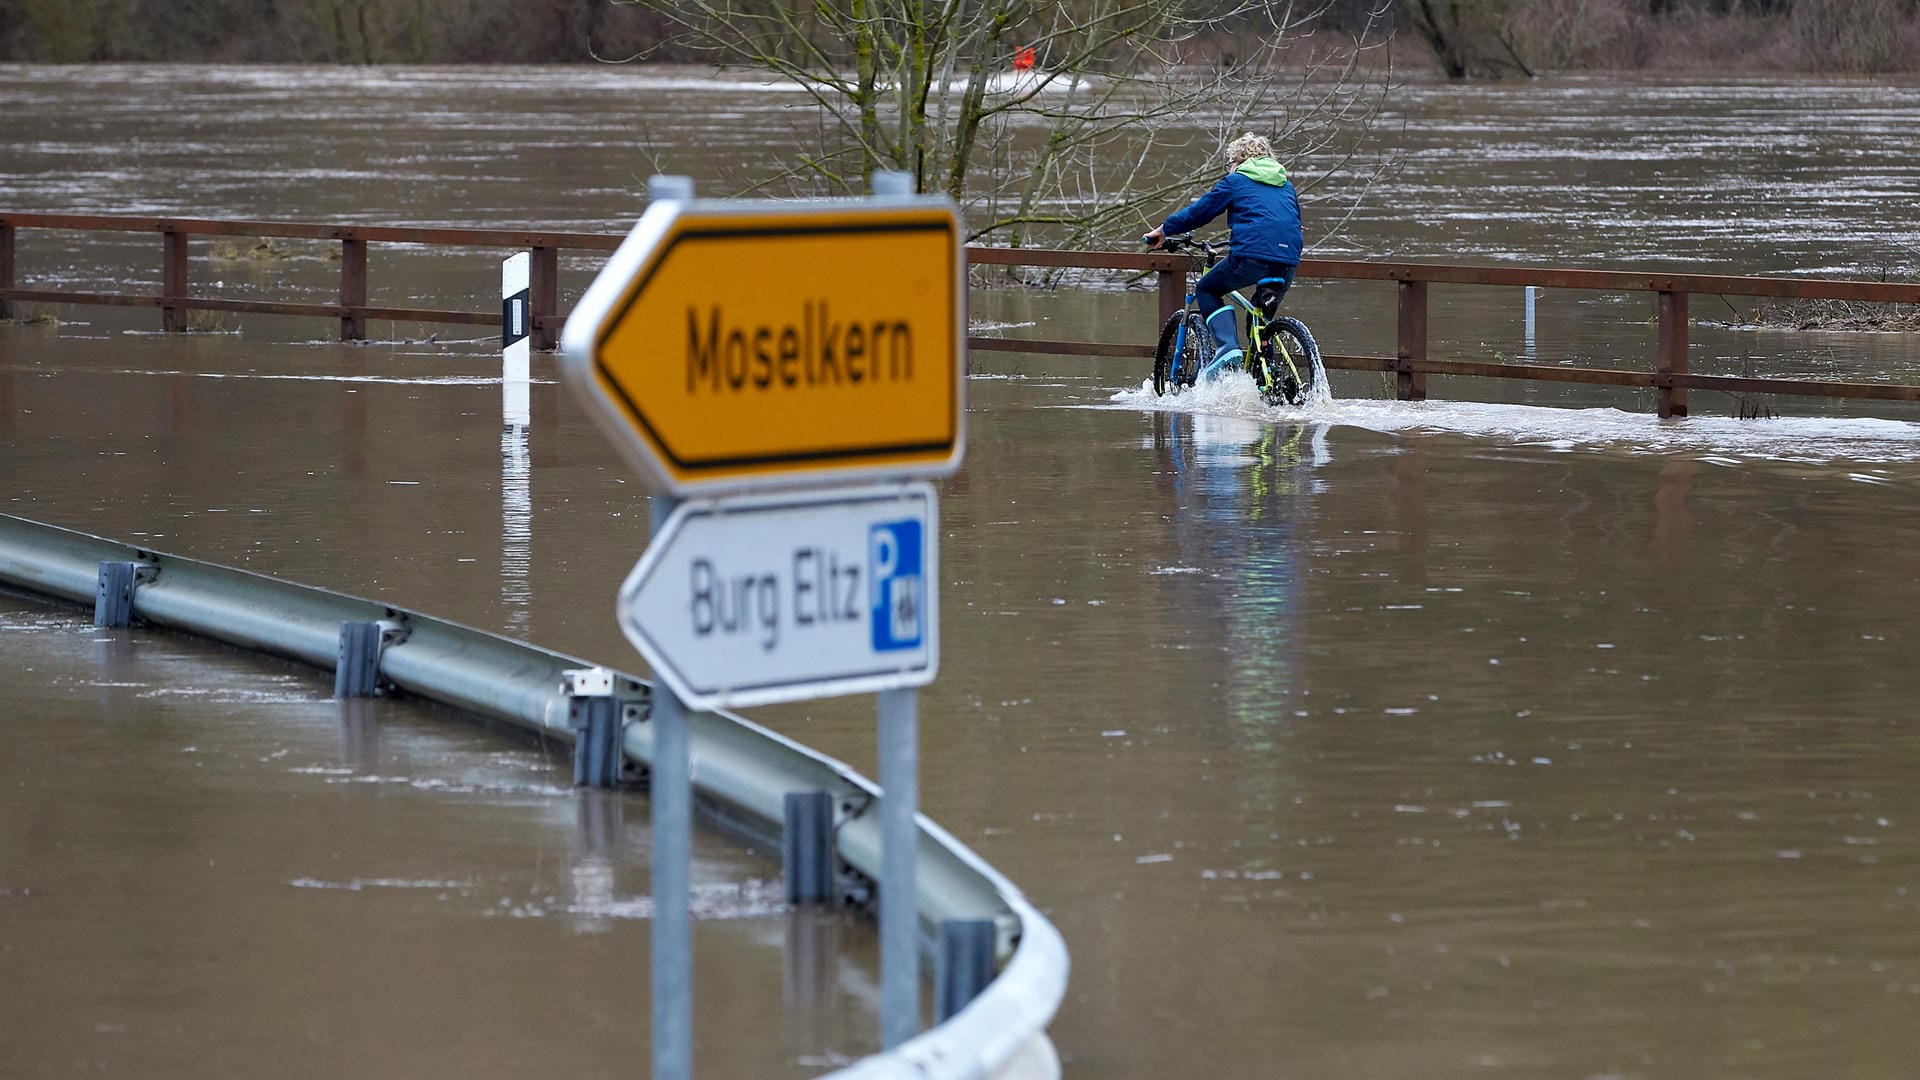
[[1226, 339]]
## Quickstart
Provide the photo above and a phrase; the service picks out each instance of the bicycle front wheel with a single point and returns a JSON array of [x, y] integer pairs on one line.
[[1185, 344]]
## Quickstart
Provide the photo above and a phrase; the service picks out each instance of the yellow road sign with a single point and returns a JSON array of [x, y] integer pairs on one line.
[[746, 344]]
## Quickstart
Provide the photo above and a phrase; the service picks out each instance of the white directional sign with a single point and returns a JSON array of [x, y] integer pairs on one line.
[[755, 599]]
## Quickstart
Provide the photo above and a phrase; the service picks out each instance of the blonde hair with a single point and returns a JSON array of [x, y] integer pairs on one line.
[[1246, 148]]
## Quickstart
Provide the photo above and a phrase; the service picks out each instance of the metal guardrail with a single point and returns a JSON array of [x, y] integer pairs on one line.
[[741, 771], [1410, 362]]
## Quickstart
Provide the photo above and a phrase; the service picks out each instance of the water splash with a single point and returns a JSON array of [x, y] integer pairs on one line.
[[1714, 440], [1322, 392]]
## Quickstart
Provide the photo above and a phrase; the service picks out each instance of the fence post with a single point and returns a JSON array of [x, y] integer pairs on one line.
[[1672, 308], [6, 269], [353, 289], [173, 280], [1411, 384], [1173, 295], [545, 298]]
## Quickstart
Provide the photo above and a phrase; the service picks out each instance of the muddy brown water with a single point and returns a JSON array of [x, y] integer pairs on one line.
[[1523, 735]]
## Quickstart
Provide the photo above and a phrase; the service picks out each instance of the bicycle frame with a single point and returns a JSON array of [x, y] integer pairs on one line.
[[1256, 330], [1256, 324]]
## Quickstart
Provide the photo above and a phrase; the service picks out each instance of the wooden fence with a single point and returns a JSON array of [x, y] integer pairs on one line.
[[1668, 374]]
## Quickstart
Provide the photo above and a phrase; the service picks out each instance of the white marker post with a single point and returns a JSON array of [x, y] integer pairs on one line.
[[516, 349], [516, 416]]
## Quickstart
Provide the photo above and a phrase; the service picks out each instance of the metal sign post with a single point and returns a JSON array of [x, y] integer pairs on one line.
[[899, 746], [671, 793], [899, 866], [739, 352], [672, 797]]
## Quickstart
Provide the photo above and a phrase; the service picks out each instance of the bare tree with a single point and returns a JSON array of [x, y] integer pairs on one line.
[[1054, 119], [1469, 37]]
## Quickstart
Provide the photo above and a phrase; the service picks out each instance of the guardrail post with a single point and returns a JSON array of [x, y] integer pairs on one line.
[[113, 595], [598, 722], [545, 298], [963, 966], [1672, 308], [806, 847], [357, 674], [173, 280], [1173, 295], [1411, 385], [353, 289], [6, 269]]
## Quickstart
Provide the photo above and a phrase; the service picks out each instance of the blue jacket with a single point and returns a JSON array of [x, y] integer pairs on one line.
[[1263, 214]]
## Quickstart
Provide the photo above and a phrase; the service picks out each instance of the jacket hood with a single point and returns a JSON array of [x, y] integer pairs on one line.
[[1263, 170]]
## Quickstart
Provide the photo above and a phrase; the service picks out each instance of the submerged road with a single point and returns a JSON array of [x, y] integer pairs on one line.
[[1389, 738]]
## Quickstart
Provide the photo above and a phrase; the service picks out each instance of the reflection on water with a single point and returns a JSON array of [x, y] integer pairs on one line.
[[516, 524], [359, 735], [1244, 489], [1673, 525], [601, 816]]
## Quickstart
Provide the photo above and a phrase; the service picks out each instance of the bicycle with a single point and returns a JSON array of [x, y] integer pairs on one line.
[[1281, 355]]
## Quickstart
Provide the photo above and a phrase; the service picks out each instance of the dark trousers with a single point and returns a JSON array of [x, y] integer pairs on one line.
[[1235, 272]]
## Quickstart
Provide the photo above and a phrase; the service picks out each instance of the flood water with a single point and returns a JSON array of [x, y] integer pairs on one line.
[[1518, 735]]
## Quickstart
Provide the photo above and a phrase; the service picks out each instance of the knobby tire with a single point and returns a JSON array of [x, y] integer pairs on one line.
[[1284, 386], [1196, 350]]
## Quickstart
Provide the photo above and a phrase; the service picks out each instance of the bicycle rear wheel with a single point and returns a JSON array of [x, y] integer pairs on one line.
[[1177, 358], [1293, 358], [1264, 365]]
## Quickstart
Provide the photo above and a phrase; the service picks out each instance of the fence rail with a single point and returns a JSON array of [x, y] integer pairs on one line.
[[1410, 363]]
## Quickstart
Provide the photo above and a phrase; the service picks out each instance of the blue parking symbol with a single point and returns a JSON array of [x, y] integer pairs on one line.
[[898, 593]]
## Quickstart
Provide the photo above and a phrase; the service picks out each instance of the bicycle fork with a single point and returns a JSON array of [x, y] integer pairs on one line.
[[1175, 374]]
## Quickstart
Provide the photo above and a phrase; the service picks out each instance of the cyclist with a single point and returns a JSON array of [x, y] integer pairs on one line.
[[1263, 219]]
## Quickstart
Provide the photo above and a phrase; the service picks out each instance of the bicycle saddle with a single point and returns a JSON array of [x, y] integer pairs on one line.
[[1267, 294]]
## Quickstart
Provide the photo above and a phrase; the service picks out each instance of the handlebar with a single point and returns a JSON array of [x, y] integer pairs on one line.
[[1188, 242]]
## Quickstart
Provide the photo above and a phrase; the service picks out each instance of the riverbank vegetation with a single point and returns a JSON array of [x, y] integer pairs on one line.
[[1502, 38], [1862, 315], [1837, 315], [1465, 38]]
